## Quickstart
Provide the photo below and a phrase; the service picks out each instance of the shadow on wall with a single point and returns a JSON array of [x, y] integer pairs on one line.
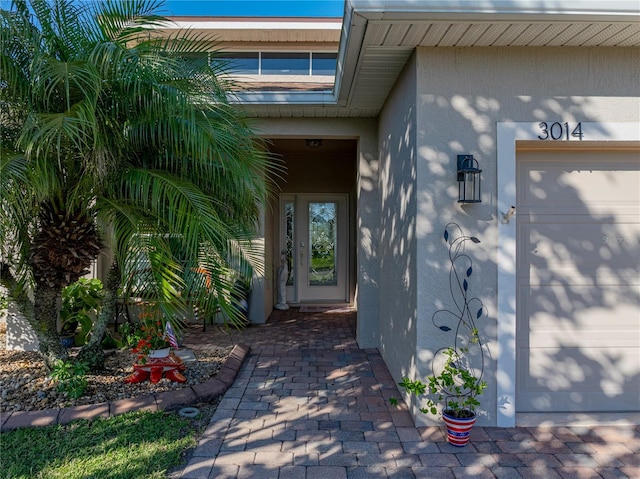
[[20, 334], [579, 272], [396, 254], [423, 183]]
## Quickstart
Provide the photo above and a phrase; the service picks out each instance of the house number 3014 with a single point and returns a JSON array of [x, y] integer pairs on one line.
[[559, 131]]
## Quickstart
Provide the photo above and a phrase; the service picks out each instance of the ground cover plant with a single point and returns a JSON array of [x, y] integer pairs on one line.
[[140, 445]]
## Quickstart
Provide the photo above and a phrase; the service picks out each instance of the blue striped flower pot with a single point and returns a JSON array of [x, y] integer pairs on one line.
[[67, 341], [458, 429]]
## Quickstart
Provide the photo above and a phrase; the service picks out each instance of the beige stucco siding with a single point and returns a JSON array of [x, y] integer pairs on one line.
[[397, 251], [450, 101], [462, 95]]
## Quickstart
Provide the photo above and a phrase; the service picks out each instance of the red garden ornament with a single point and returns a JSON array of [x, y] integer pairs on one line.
[[154, 368], [153, 348]]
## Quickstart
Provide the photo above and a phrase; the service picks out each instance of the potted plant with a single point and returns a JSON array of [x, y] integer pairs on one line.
[[151, 343], [149, 338], [457, 370], [152, 340], [457, 388]]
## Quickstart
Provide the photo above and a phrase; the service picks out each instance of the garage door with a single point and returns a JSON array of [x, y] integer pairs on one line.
[[578, 280]]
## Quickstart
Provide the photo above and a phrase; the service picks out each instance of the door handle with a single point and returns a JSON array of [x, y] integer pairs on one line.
[[301, 253]]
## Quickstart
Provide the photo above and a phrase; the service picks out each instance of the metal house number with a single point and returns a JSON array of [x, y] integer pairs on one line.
[[559, 131]]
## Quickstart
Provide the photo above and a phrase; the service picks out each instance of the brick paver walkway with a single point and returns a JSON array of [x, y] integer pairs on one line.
[[308, 403]]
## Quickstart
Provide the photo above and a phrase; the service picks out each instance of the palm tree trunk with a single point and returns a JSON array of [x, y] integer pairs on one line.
[[45, 307]]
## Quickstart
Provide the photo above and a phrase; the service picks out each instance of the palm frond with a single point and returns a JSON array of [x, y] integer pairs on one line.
[[125, 21], [103, 119]]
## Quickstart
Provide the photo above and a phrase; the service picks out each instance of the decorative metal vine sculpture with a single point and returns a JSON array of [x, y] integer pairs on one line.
[[468, 309], [456, 383]]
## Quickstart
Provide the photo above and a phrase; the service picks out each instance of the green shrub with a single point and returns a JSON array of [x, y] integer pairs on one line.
[[80, 303], [70, 377]]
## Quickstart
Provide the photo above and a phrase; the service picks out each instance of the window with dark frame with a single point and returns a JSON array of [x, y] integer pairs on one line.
[[278, 63]]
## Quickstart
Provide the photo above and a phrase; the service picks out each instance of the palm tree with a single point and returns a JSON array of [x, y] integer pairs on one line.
[[112, 135]]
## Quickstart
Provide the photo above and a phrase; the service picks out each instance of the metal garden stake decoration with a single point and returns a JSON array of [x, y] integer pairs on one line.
[[456, 383]]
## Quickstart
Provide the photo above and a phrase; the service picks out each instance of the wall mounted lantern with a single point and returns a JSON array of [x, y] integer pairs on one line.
[[468, 179]]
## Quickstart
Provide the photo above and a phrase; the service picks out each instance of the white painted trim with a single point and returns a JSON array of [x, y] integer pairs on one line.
[[472, 8], [284, 79], [283, 98], [269, 24], [508, 133]]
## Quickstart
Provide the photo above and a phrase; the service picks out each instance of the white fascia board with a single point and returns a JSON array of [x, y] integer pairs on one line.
[[585, 10], [218, 25], [353, 30], [284, 98]]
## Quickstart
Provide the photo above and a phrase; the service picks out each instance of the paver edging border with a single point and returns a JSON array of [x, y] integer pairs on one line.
[[167, 401]]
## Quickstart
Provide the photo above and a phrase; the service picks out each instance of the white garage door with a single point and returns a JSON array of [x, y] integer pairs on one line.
[[578, 280]]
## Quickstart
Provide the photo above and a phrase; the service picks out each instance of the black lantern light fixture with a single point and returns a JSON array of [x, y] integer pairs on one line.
[[468, 179]]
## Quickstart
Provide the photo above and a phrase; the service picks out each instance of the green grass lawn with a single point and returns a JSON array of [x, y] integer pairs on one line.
[[135, 445]]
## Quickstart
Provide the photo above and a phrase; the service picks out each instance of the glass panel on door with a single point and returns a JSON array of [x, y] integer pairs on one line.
[[289, 212], [322, 243]]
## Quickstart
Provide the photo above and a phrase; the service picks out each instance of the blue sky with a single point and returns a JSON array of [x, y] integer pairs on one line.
[[256, 8]]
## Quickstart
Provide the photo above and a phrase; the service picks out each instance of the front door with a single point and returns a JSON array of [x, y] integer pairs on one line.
[[314, 234]]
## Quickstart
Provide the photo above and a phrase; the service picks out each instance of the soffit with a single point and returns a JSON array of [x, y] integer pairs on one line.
[[390, 31]]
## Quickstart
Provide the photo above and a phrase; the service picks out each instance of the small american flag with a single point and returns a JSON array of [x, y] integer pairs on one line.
[[171, 335]]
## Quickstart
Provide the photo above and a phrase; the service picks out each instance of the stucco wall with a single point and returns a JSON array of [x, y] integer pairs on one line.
[[462, 95], [397, 251], [309, 172]]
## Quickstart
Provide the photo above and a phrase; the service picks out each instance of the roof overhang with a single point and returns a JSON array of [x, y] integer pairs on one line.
[[253, 30], [544, 10], [378, 36]]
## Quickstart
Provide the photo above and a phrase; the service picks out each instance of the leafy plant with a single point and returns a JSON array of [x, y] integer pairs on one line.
[[151, 339], [456, 383], [149, 334], [80, 302], [70, 377], [129, 334]]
